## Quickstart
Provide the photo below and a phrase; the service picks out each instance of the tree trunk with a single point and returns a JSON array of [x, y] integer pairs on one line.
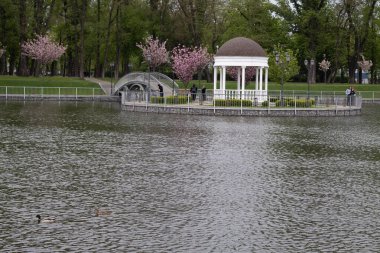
[[22, 69], [373, 54], [98, 65], [314, 74], [117, 59], [42, 15], [71, 16], [89, 67], [81, 49], [38, 16], [332, 76], [208, 75], [53, 68], [64, 66], [359, 33], [3, 65], [110, 21], [12, 64], [351, 69]]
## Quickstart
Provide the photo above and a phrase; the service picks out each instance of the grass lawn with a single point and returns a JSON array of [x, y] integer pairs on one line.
[[56, 81], [367, 91], [75, 85], [290, 86], [48, 86]]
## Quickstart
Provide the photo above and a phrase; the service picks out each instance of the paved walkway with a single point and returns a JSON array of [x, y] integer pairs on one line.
[[105, 85]]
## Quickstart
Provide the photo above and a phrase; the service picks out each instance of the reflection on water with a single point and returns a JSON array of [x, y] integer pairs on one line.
[[185, 183]]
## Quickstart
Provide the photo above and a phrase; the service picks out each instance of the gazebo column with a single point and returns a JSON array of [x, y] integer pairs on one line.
[[257, 81], [238, 82], [224, 79], [215, 78], [220, 81], [266, 81], [243, 81], [261, 81]]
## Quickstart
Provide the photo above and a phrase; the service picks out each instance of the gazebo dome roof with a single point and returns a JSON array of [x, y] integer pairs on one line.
[[241, 46]]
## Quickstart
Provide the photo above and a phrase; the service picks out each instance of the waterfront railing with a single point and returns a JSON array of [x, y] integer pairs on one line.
[[27, 92], [41, 92], [248, 100]]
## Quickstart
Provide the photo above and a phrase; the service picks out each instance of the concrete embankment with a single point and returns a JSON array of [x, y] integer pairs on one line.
[[103, 98], [202, 109], [217, 111]]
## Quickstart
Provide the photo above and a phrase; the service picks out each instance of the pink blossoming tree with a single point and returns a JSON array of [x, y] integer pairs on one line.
[[43, 49], [156, 50], [249, 73], [324, 66], [186, 62], [365, 65]]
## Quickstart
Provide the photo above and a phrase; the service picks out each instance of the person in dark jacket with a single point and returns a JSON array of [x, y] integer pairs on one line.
[[193, 92], [203, 93], [161, 89]]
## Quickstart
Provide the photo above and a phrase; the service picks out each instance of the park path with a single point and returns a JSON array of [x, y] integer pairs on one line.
[[105, 85]]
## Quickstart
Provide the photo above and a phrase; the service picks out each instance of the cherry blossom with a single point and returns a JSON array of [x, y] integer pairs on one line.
[[186, 62], [365, 65], [43, 49], [156, 50], [249, 73], [324, 65]]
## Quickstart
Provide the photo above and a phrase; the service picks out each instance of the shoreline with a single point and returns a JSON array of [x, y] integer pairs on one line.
[[208, 110], [244, 111]]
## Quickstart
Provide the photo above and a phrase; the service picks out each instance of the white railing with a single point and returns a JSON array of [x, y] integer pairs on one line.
[[296, 101], [254, 95], [57, 92], [256, 98]]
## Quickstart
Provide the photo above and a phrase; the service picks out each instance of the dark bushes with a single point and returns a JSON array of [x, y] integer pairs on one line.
[[233, 102]]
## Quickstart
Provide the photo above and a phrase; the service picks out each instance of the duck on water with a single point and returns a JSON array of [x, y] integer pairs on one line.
[[45, 220], [99, 212]]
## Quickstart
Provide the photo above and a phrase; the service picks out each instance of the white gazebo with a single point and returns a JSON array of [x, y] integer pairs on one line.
[[241, 52]]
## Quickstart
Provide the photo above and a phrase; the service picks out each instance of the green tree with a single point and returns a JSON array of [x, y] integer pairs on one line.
[[192, 16], [283, 70], [304, 20], [134, 27], [254, 19], [359, 16], [373, 44], [22, 68], [8, 35]]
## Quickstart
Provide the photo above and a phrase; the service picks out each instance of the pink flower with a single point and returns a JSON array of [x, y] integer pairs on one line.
[[156, 50], [186, 62], [249, 73], [43, 49]]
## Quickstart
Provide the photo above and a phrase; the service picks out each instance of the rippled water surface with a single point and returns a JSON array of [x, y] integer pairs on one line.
[[178, 183]]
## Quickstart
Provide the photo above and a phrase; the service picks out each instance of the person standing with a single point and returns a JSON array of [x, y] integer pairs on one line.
[[161, 89], [352, 97], [348, 95], [203, 93], [353, 93], [193, 91]]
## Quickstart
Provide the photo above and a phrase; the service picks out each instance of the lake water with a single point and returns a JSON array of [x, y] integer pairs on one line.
[[182, 183]]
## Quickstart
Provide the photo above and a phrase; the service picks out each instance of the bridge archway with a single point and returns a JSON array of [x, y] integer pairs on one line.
[[147, 82]]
